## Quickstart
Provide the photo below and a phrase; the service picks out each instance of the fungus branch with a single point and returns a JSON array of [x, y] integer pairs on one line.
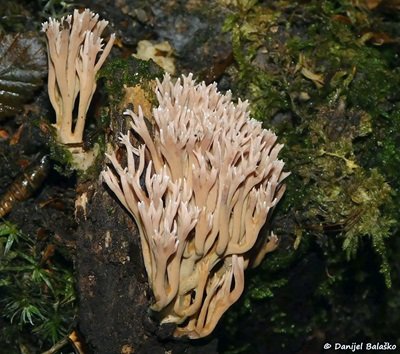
[[75, 55]]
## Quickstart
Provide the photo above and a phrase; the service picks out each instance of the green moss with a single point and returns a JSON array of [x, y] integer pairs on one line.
[[335, 85], [128, 72], [314, 74], [63, 159], [36, 296]]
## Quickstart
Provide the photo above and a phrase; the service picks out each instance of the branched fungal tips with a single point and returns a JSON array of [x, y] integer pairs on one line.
[[211, 178]]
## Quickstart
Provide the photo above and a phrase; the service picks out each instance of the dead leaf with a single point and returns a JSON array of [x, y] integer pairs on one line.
[[372, 4], [4, 134], [376, 38], [305, 66], [137, 96], [23, 65], [317, 79], [17, 135]]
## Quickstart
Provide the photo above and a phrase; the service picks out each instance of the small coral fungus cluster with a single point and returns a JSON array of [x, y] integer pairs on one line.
[[200, 188], [75, 55]]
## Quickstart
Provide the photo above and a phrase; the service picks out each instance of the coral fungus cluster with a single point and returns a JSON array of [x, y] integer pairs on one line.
[[200, 188], [74, 47]]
